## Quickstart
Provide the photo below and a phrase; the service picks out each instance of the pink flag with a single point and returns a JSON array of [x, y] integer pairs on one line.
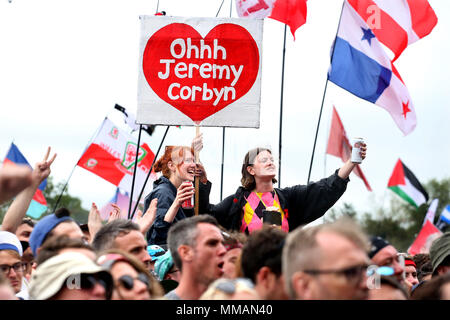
[[339, 145], [290, 12]]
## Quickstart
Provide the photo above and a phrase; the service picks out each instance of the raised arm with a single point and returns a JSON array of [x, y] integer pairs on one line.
[[19, 206], [347, 168]]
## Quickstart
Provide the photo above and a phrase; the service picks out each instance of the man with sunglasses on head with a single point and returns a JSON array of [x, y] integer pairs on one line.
[[326, 262]]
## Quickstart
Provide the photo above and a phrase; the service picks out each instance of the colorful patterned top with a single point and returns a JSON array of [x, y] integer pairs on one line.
[[253, 210]]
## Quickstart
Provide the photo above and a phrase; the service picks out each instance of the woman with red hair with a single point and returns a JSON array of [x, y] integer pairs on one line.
[[173, 188]]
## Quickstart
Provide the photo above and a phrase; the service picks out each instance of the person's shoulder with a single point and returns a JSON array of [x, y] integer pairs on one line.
[[162, 186], [172, 295]]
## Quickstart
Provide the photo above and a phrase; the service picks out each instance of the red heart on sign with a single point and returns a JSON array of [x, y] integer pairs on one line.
[[201, 76]]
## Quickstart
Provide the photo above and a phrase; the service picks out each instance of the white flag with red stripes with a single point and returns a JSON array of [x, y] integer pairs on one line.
[[397, 23], [112, 156]]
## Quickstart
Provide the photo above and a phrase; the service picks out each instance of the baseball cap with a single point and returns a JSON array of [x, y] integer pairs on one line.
[[50, 276], [155, 251], [42, 228], [9, 241], [440, 249]]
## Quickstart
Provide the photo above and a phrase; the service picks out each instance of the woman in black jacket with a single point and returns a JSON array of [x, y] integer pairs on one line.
[[298, 205], [172, 189]]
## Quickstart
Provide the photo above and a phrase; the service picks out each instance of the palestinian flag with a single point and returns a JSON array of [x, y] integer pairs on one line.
[[405, 184]]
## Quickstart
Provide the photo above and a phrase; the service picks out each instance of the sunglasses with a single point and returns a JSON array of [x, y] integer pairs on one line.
[[382, 271], [127, 281], [88, 282], [352, 274]]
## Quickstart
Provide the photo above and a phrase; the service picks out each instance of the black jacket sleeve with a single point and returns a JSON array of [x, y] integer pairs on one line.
[[308, 203], [160, 228]]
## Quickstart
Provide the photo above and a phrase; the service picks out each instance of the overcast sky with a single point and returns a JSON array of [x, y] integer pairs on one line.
[[65, 63]]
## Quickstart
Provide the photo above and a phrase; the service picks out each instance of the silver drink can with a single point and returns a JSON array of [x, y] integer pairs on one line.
[[356, 149]]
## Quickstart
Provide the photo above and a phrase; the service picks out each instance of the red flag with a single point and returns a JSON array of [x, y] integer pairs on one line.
[[424, 239], [290, 12], [339, 145]]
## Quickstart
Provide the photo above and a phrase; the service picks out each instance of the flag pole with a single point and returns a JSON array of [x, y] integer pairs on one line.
[[149, 172], [70, 176], [223, 133], [281, 109], [136, 160], [323, 97], [223, 159]]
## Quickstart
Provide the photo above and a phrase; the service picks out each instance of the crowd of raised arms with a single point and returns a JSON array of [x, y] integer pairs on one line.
[[256, 244]]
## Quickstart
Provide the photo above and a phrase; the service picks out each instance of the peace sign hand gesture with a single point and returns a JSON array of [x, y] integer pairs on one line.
[[42, 169]]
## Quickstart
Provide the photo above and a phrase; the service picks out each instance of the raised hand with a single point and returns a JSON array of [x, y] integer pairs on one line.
[[197, 143], [42, 169], [115, 213], [94, 221], [146, 221]]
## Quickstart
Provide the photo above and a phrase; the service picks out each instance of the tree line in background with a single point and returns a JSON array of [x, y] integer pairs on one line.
[[399, 224]]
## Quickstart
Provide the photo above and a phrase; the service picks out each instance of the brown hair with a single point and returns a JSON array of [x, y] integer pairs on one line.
[[53, 246], [430, 289], [172, 153], [247, 180]]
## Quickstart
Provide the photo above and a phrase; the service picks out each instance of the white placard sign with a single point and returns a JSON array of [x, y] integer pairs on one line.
[[200, 71]]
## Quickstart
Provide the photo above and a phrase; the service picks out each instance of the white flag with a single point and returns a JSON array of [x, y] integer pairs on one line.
[[431, 211]]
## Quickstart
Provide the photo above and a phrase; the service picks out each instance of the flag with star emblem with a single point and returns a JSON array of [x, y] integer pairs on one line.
[[361, 65], [112, 155]]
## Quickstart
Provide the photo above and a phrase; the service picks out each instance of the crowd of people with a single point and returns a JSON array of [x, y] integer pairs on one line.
[[253, 245]]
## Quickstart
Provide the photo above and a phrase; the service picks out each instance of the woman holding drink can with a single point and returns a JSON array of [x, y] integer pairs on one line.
[[174, 189], [245, 210]]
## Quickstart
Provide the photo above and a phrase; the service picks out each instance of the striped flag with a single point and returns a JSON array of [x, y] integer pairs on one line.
[[361, 65], [405, 184], [38, 204], [444, 219], [397, 23]]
